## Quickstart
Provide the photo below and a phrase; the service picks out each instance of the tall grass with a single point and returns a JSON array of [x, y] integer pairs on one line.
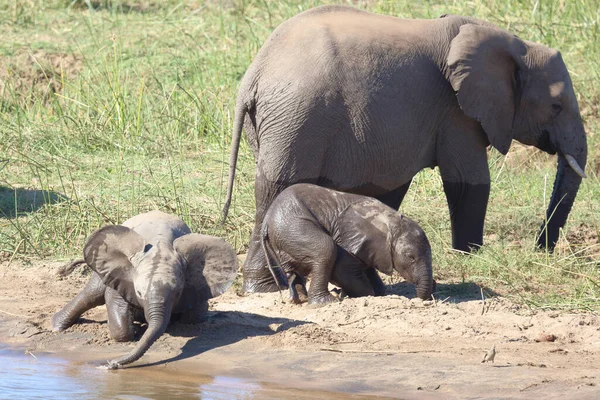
[[110, 108]]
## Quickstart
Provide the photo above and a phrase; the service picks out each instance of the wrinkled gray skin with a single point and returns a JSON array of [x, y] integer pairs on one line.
[[311, 230], [153, 264], [361, 102]]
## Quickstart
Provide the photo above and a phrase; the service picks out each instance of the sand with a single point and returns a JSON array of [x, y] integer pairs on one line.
[[394, 346]]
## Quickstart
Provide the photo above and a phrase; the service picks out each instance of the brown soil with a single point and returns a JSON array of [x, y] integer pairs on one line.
[[35, 75], [584, 240], [389, 346], [521, 157]]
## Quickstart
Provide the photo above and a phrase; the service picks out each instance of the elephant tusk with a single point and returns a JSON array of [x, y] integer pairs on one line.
[[573, 163]]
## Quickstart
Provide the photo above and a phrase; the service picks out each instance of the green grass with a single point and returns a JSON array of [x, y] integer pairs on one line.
[[111, 108]]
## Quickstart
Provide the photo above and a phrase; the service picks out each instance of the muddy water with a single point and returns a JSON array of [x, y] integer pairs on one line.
[[43, 376]]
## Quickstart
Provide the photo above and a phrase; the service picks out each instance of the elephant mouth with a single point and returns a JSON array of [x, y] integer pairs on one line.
[[545, 143]]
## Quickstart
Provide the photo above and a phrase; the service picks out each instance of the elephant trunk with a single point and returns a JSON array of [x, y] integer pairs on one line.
[[424, 282], [158, 317], [566, 184]]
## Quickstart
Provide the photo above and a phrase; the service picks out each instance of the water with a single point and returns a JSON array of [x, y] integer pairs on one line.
[[24, 376]]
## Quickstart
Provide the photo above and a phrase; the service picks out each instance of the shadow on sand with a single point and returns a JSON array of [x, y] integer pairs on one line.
[[457, 292], [223, 329]]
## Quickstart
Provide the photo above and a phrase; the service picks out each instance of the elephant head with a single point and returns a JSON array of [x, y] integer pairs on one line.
[[411, 254], [388, 241], [160, 278], [522, 90]]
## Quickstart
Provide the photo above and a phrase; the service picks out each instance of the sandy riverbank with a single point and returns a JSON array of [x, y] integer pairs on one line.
[[387, 346]]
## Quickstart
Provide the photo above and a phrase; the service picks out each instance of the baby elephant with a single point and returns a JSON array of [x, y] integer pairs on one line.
[[151, 264], [342, 238]]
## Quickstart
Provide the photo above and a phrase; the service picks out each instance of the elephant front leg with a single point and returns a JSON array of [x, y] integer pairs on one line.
[[465, 174], [92, 295], [467, 203], [350, 275], [313, 252], [120, 317], [376, 282]]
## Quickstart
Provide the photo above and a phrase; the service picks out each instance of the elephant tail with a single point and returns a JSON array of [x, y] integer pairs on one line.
[[270, 255], [241, 109], [67, 269]]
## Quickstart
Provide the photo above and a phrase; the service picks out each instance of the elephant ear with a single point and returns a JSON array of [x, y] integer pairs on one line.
[[364, 232], [109, 252], [483, 62], [211, 265]]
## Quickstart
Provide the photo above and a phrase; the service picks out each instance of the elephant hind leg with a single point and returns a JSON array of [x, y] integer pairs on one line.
[[312, 251], [92, 295], [120, 317]]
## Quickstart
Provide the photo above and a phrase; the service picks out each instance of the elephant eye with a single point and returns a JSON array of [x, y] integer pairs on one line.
[[557, 108]]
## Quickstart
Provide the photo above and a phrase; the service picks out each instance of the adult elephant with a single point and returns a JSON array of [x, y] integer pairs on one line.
[[361, 102]]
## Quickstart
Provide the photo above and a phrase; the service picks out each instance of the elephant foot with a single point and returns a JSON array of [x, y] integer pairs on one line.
[[321, 301], [60, 323]]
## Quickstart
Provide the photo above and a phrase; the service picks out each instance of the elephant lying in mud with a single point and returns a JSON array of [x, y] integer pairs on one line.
[[151, 265], [343, 238], [361, 102]]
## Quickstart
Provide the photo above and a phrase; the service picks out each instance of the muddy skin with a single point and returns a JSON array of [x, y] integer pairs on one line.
[[342, 238], [151, 266]]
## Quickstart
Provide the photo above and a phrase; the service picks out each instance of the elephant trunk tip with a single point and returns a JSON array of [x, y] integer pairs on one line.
[[424, 292], [425, 284], [424, 296], [158, 319]]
